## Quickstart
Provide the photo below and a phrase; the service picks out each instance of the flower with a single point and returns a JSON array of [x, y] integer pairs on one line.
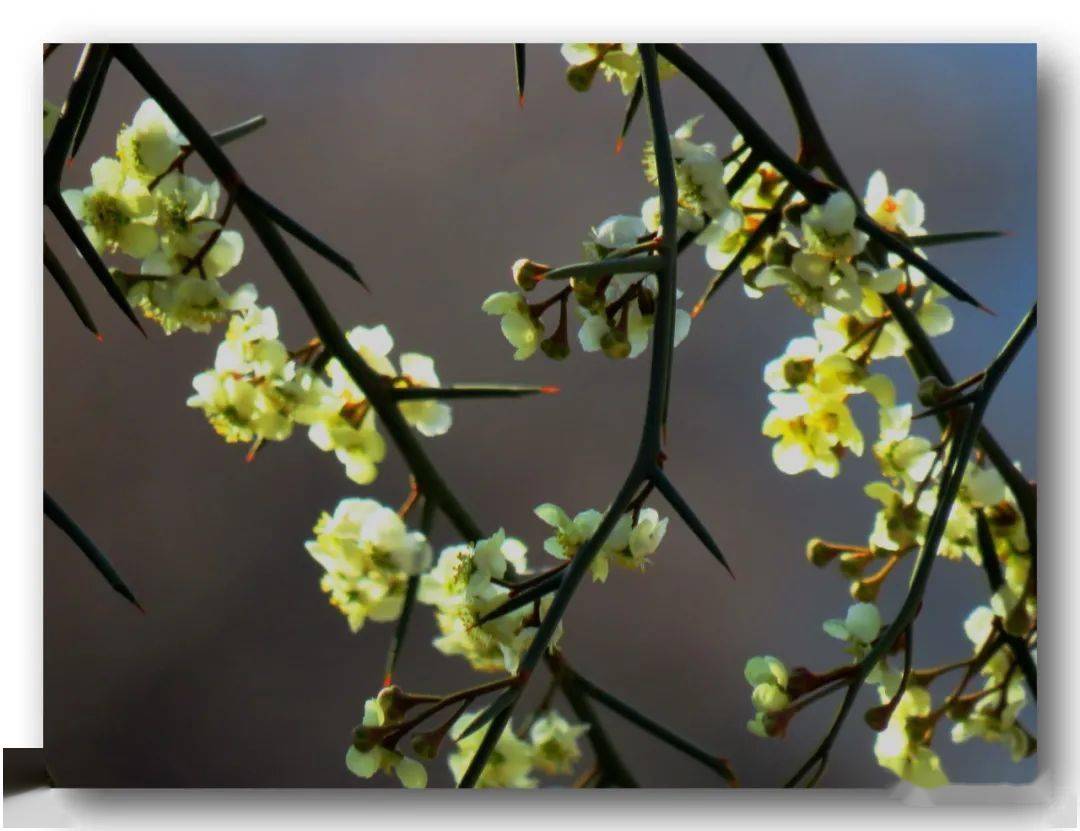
[[555, 743], [468, 582], [617, 61], [902, 211], [117, 212], [365, 763], [902, 746], [368, 554], [630, 543], [519, 326], [860, 627], [429, 417], [510, 763], [255, 390], [699, 173], [993, 719], [149, 146], [768, 676]]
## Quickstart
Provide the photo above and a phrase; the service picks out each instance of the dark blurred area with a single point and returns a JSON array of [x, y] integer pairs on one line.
[[416, 162]]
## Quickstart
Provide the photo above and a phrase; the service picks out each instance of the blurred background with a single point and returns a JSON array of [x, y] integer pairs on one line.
[[416, 162]]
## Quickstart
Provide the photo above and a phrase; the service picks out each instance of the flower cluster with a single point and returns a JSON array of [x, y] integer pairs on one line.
[[140, 203], [824, 268], [258, 390], [468, 582], [547, 744], [368, 555]]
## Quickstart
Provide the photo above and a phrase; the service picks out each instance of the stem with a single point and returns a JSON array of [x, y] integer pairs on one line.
[[650, 444]]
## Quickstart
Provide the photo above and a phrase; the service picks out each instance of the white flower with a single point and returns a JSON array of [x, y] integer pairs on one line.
[[509, 766], [116, 212], [430, 417], [901, 746], [903, 211], [150, 144], [861, 625], [555, 743], [365, 763], [368, 554], [519, 327]]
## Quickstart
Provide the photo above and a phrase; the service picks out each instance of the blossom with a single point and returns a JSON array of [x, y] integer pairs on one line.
[[699, 172], [630, 543], [255, 390], [519, 326], [902, 746], [509, 766], [994, 719], [860, 627], [902, 211], [468, 582], [624, 321], [616, 61], [768, 677], [117, 212], [150, 144], [368, 555], [429, 417], [374, 757], [555, 742]]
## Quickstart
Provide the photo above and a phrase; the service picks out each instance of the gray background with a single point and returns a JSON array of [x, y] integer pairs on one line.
[[416, 161]]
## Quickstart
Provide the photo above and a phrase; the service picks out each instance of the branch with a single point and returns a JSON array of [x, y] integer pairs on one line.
[[645, 464], [814, 190], [381, 398], [658, 730], [952, 476]]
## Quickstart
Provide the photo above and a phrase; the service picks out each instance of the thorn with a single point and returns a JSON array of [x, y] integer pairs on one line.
[[521, 101], [138, 606], [618, 145], [550, 390], [697, 309], [986, 309], [69, 163], [387, 681], [100, 337]]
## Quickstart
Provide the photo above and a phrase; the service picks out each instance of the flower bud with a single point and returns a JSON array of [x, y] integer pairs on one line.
[[820, 553], [646, 303], [780, 252], [931, 391], [586, 294], [878, 717], [865, 591], [581, 76], [854, 563], [426, 745], [366, 738], [960, 710], [528, 273], [556, 347], [615, 344]]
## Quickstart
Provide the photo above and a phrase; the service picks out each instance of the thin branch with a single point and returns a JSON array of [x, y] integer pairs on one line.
[[656, 729], [649, 447], [814, 190], [952, 476]]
